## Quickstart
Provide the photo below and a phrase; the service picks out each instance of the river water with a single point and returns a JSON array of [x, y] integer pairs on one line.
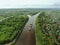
[[28, 37]]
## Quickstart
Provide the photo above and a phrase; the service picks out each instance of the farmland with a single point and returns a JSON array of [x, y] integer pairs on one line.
[[48, 28]]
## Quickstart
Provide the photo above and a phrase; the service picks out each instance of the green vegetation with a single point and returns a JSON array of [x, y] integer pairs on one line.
[[9, 12], [10, 27], [48, 28], [11, 23], [1, 17]]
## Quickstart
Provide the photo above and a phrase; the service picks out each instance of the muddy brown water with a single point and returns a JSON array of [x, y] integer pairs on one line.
[[28, 37]]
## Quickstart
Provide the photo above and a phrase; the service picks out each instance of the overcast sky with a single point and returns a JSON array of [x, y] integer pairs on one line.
[[29, 3]]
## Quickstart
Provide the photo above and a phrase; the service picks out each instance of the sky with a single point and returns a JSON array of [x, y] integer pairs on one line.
[[29, 3]]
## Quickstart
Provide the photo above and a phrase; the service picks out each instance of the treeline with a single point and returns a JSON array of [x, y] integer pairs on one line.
[[10, 27]]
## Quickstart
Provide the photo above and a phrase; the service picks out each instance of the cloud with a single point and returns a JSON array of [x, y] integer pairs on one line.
[[28, 3]]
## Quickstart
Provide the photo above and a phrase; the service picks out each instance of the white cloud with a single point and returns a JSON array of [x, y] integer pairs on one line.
[[26, 3]]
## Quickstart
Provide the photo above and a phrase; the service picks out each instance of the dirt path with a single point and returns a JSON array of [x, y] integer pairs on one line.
[[28, 37]]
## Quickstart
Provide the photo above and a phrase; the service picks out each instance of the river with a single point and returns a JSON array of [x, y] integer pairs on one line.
[[28, 37]]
